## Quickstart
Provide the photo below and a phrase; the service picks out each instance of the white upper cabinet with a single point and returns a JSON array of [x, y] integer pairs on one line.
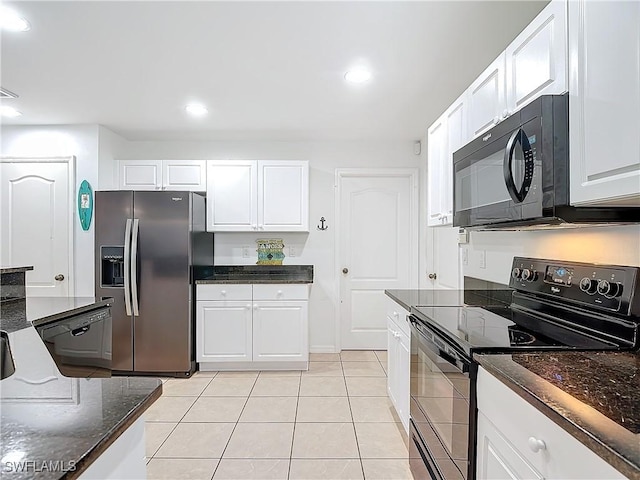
[[536, 61], [487, 98], [258, 195], [188, 175], [184, 175], [445, 136], [140, 174], [283, 196], [604, 102], [534, 64], [436, 156], [232, 195]]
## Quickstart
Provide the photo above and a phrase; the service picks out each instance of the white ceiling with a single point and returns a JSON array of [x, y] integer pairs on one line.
[[265, 70]]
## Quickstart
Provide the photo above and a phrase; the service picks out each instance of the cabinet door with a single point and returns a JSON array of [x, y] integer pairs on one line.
[[283, 196], [223, 331], [392, 362], [604, 86], [443, 258], [457, 136], [189, 175], [497, 458], [140, 174], [231, 196], [537, 58], [487, 98], [280, 331], [403, 373], [436, 159]]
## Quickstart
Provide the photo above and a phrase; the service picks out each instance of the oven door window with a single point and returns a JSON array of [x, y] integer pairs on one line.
[[441, 391]]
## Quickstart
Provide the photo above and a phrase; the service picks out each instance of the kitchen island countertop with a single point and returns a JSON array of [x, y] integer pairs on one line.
[[589, 394], [57, 428]]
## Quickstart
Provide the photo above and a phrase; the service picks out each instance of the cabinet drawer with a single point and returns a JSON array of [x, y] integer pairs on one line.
[[281, 292], [399, 316], [517, 420], [223, 292]]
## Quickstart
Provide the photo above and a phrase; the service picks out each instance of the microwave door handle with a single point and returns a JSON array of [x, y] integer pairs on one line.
[[507, 168], [518, 194]]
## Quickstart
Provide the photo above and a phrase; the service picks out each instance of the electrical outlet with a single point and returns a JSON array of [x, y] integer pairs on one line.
[[293, 251], [482, 259], [246, 252]]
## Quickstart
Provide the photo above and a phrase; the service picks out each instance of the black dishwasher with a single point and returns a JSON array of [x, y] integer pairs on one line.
[[81, 344]]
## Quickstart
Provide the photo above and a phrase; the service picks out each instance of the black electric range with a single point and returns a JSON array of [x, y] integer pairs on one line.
[[555, 305]]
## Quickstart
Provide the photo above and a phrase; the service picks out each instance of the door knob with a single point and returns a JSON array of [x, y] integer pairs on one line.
[[59, 277], [345, 270], [433, 276]]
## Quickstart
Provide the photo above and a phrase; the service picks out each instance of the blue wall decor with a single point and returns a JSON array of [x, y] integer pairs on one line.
[[85, 204]]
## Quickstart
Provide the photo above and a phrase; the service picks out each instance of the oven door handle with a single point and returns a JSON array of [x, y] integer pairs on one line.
[[439, 350], [518, 194]]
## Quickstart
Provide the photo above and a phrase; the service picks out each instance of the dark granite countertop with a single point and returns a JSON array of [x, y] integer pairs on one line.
[[63, 419], [4, 270], [450, 298], [253, 274], [592, 395]]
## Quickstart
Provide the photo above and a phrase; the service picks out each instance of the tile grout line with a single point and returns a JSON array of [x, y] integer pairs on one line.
[[295, 422], [355, 432], [179, 421], [234, 427]]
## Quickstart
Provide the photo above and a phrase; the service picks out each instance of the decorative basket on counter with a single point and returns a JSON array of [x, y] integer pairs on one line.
[[270, 251]]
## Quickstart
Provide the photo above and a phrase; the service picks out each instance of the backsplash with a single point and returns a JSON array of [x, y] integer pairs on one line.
[[616, 245]]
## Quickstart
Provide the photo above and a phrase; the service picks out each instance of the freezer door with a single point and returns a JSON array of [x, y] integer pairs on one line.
[[163, 326], [112, 211]]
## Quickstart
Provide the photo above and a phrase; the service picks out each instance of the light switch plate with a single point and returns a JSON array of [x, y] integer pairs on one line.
[[246, 252], [482, 259]]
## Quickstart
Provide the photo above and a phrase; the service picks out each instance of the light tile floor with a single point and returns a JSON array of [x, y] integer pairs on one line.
[[331, 422]]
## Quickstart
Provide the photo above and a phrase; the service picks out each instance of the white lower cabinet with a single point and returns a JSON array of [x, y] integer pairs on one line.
[[241, 327], [398, 360], [515, 440], [224, 331]]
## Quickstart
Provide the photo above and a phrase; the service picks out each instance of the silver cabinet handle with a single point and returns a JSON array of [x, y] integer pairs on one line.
[[127, 267], [134, 267], [59, 277], [433, 276], [345, 270]]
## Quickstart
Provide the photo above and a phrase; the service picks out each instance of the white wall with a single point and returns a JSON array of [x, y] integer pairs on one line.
[[316, 247], [80, 141], [110, 146], [615, 245]]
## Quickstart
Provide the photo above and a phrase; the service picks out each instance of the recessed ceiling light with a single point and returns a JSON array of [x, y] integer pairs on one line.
[[196, 109], [357, 75], [10, 20], [9, 112]]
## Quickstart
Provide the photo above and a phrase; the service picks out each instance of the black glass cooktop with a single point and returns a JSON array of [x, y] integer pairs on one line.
[[501, 329]]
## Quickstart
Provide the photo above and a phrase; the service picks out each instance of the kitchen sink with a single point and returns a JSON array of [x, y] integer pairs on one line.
[[7, 367]]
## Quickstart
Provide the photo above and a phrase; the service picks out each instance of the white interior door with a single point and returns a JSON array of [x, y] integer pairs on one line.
[[35, 213], [378, 247]]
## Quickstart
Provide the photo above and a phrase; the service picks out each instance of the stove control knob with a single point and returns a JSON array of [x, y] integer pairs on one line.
[[529, 275], [588, 285], [609, 289], [516, 273]]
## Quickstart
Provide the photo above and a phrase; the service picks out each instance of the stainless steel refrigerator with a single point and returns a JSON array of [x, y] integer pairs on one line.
[[146, 246]]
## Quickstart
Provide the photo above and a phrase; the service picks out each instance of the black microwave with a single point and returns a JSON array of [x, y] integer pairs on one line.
[[517, 174]]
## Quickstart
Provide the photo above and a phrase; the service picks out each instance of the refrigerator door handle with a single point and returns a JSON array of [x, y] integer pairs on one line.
[[134, 267], [127, 269]]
